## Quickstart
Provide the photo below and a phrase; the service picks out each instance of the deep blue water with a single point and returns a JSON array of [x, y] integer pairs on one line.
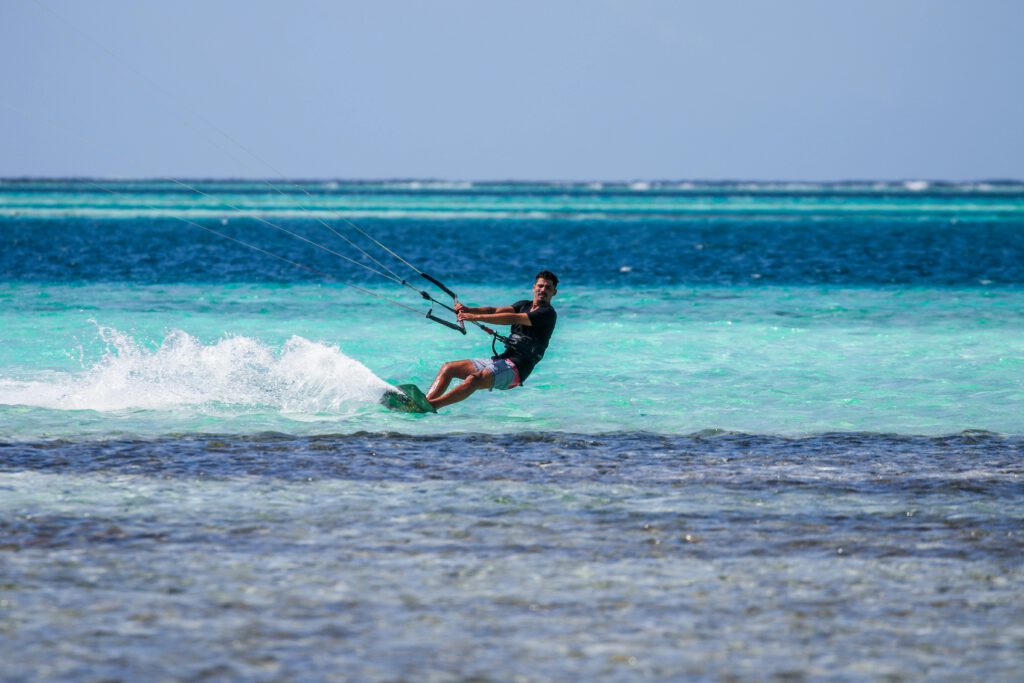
[[708, 235]]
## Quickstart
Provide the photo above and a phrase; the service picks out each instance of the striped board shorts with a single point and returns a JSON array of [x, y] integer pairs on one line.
[[505, 372]]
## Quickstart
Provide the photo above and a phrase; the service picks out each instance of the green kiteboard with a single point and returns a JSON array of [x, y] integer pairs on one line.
[[408, 399]]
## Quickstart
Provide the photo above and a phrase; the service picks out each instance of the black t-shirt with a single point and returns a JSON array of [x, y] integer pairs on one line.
[[527, 343]]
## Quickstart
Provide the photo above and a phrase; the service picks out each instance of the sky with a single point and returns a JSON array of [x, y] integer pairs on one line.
[[813, 90]]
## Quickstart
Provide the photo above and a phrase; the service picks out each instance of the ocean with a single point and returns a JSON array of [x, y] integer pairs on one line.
[[777, 435]]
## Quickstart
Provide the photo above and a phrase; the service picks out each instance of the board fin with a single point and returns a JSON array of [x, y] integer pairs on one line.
[[408, 399]]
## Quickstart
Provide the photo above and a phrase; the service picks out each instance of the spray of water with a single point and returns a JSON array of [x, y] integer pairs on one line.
[[233, 374]]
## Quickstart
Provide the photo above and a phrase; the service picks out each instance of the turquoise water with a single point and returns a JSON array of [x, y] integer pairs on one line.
[[305, 359], [777, 435]]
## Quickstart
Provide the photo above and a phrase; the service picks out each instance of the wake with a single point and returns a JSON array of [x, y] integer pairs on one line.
[[233, 374]]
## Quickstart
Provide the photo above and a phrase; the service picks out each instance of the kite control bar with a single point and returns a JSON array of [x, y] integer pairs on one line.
[[461, 326]]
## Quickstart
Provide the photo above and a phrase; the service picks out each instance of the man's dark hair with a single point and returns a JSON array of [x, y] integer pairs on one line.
[[547, 275]]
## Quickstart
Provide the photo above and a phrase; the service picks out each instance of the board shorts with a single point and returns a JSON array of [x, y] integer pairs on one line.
[[505, 372]]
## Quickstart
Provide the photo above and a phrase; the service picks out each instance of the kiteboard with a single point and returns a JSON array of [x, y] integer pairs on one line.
[[408, 399]]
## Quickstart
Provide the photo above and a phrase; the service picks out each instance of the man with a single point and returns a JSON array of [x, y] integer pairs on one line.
[[532, 324]]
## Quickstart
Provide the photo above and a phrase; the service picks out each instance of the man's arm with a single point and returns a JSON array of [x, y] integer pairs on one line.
[[505, 315], [502, 315], [485, 310]]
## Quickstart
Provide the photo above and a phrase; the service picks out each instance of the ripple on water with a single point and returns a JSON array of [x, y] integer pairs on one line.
[[539, 556]]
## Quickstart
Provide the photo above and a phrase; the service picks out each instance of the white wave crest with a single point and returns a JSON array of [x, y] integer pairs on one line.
[[234, 374]]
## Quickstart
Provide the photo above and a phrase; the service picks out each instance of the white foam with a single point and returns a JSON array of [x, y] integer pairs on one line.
[[233, 374], [431, 185], [916, 185]]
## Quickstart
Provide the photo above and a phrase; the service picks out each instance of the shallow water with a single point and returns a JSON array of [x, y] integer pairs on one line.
[[777, 435], [383, 556]]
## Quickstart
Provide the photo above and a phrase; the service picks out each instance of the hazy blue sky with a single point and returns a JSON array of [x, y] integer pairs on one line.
[[599, 89]]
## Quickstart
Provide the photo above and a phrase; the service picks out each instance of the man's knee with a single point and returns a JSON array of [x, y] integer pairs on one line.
[[451, 369], [457, 368]]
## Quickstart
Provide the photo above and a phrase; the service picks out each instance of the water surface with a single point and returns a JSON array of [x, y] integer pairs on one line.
[[777, 434]]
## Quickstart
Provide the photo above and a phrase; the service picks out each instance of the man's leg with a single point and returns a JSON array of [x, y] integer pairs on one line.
[[456, 369], [471, 381]]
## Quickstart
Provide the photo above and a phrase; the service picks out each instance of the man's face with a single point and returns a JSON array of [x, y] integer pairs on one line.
[[543, 290]]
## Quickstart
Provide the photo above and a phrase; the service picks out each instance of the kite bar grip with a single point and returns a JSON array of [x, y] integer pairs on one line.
[[446, 323]]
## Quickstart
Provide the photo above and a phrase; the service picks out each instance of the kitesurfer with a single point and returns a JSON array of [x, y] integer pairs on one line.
[[532, 323]]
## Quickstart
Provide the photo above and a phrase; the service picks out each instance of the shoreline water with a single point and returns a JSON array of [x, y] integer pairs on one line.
[[377, 557]]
